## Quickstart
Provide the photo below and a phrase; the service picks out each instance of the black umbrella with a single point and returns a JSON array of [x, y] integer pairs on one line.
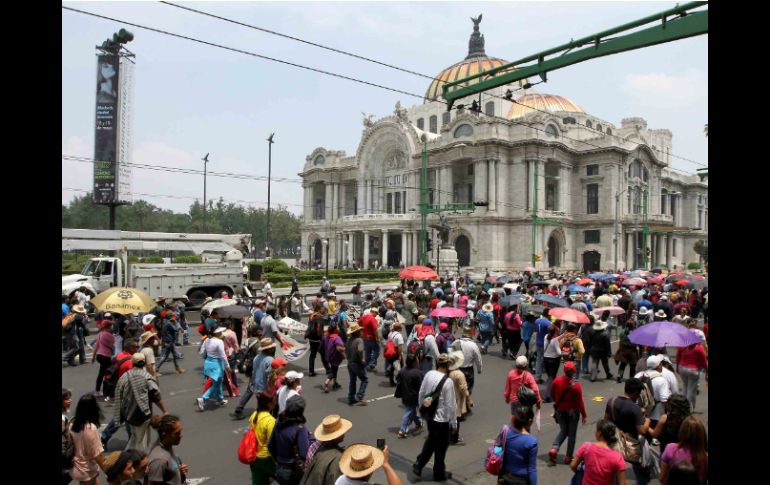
[[536, 309], [510, 300], [552, 300], [538, 283], [232, 311]]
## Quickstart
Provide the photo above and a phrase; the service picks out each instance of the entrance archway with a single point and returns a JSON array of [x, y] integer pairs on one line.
[[591, 261], [553, 252], [463, 248], [317, 251]]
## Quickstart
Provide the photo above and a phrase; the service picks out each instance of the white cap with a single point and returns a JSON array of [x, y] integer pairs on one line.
[[521, 362], [148, 318], [293, 375], [220, 330], [654, 361]]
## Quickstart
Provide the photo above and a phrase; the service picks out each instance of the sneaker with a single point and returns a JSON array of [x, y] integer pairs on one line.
[[237, 415], [552, 455], [181, 371], [336, 386], [402, 434], [199, 402], [361, 402], [567, 460], [222, 402]]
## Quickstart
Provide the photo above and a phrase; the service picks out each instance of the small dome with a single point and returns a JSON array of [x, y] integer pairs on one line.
[[544, 102], [463, 69]]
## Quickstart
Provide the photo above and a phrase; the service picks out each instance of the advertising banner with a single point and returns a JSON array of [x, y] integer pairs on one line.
[[105, 137], [125, 125]]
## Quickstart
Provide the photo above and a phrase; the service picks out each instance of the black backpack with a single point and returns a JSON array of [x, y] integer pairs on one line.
[[245, 357], [67, 447], [111, 377]]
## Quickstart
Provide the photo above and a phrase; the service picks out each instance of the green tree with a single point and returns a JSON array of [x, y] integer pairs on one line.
[[701, 248]]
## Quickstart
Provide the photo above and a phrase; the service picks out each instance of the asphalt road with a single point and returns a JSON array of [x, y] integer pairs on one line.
[[211, 438]]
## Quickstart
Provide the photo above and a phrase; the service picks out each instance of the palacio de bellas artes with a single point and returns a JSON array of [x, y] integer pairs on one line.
[[526, 176]]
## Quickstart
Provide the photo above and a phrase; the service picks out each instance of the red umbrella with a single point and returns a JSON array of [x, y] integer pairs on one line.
[[584, 281], [683, 282], [449, 312], [418, 273], [569, 315], [696, 277], [657, 280]]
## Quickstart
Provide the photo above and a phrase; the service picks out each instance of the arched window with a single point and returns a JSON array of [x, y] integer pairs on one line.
[[319, 160], [463, 130], [598, 127], [489, 108], [589, 124], [446, 118], [434, 124], [609, 131], [421, 123], [552, 131]]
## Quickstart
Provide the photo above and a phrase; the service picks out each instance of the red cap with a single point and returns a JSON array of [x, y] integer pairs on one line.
[[278, 363], [443, 326], [569, 367]]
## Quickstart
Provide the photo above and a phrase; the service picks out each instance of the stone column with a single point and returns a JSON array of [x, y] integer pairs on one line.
[[404, 248], [334, 204], [368, 197], [328, 201], [308, 204], [447, 184], [384, 258], [492, 184], [669, 249], [351, 241], [361, 199], [659, 250], [630, 243], [530, 184], [541, 185], [564, 188], [366, 249], [649, 245], [480, 184]]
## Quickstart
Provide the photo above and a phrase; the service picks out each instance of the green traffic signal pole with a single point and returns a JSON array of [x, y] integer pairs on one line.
[[534, 220]]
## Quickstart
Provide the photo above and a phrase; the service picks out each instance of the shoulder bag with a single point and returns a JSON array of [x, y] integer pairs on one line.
[[430, 404], [561, 398], [627, 445]]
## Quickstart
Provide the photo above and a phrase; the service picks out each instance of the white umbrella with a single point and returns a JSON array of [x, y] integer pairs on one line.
[[218, 303], [511, 286]]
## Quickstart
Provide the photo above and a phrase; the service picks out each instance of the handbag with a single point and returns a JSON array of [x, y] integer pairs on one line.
[[577, 478], [627, 445], [558, 401], [494, 460]]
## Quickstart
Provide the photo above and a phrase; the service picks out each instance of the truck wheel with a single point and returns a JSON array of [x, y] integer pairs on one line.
[[197, 297]]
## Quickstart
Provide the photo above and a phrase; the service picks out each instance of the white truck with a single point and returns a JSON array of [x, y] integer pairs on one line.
[[196, 281]]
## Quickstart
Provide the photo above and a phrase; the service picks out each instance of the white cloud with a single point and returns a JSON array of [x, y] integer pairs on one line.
[[659, 90]]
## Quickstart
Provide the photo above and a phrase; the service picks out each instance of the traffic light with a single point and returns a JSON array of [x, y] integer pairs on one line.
[[538, 258], [430, 244]]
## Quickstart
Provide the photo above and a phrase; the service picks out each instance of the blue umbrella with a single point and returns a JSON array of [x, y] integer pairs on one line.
[[595, 276], [552, 300], [577, 289], [505, 279], [510, 300], [606, 277]]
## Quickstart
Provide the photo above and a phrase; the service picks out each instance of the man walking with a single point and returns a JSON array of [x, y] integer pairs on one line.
[[260, 370], [354, 352], [165, 468], [371, 339], [168, 337], [441, 423], [541, 327], [471, 356], [660, 388]]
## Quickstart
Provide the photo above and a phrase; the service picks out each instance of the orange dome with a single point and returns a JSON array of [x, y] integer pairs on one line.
[[544, 102], [463, 69]]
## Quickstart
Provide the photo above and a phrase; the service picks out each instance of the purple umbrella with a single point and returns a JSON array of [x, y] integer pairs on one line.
[[663, 334]]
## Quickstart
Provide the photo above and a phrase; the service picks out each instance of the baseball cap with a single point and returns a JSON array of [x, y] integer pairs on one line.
[[278, 363], [654, 361], [521, 361], [294, 375]]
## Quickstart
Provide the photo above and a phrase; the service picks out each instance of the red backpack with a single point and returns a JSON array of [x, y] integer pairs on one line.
[[390, 350]]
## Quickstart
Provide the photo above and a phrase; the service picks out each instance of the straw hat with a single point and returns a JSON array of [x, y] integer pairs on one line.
[[146, 336], [644, 311], [353, 328], [79, 309], [456, 359], [488, 307], [265, 344], [660, 314], [360, 460], [147, 319], [332, 427]]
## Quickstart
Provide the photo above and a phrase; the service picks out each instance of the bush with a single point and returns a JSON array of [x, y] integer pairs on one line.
[[273, 265], [693, 266], [152, 260], [188, 259]]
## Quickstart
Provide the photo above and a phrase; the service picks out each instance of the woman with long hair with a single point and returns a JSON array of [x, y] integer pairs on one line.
[[628, 352], [88, 444], [262, 423], [692, 446], [520, 450], [603, 465], [104, 349], [667, 430]]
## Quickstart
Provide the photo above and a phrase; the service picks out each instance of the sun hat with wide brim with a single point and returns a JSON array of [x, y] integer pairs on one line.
[[332, 427], [360, 460], [266, 343], [354, 327], [456, 359], [600, 325], [146, 336], [79, 309]]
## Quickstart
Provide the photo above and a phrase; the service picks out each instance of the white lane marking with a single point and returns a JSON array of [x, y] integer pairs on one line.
[[183, 391], [197, 481], [379, 398]]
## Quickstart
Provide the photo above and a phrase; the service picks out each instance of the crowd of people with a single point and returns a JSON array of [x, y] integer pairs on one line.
[[431, 362]]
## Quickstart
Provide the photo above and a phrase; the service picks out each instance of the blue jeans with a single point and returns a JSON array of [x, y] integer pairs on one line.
[[486, 339], [356, 371], [640, 474], [245, 397], [168, 348], [410, 414], [584, 363], [371, 353], [539, 363], [111, 429], [215, 389], [568, 425]]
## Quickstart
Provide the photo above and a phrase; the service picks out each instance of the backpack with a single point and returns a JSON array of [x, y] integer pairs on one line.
[[416, 349], [646, 399], [245, 357], [390, 350], [111, 377], [568, 350], [249, 446], [67, 447]]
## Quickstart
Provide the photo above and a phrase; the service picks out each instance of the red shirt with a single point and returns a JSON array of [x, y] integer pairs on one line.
[[517, 378], [368, 327], [694, 358], [125, 366], [573, 400], [433, 303]]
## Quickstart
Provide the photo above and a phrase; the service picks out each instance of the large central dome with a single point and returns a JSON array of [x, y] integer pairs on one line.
[[476, 62]]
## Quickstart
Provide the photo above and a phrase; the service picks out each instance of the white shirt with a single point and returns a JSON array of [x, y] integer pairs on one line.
[[430, 346], [284, 394], [441, 304], [447, 407], [471, 353], [214, 348], [267, 287], [671, 379], [552, 348], [660, 389], [397, 338]]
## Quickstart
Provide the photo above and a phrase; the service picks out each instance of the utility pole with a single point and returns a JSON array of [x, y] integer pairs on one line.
[[205, 163], [269, 173], [534, 219]]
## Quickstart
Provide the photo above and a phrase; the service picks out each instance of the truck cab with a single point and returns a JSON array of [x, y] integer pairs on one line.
[[98, 274]]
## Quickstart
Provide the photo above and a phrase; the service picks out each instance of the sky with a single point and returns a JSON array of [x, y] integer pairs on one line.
[[191, 99]]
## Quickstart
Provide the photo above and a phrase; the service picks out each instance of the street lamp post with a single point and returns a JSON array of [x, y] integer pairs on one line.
[[347, 262], [205, 163], [326, 245], [269, 173]]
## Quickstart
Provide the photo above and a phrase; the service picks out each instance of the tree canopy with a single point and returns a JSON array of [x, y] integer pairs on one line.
[[220, 218]]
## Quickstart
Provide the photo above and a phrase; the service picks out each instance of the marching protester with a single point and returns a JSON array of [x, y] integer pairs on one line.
[[259, 375], [626, 415], [289, 442], [359, 462], [169, 336], [463, 398], [519, 449], [84, 429], [291, 386], [627, 353], [599, 348], [517, 378], [334, 349], [692, 446], [677, 409], [214, 367], [551, 358], [690, 361], [660, 388], [262, 424], [409, 381], [323, 461], [104, 349], [568, 410], [165, 466], [471, 356], [395, 360], [314, 335], [603, 465], [357, 365]]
